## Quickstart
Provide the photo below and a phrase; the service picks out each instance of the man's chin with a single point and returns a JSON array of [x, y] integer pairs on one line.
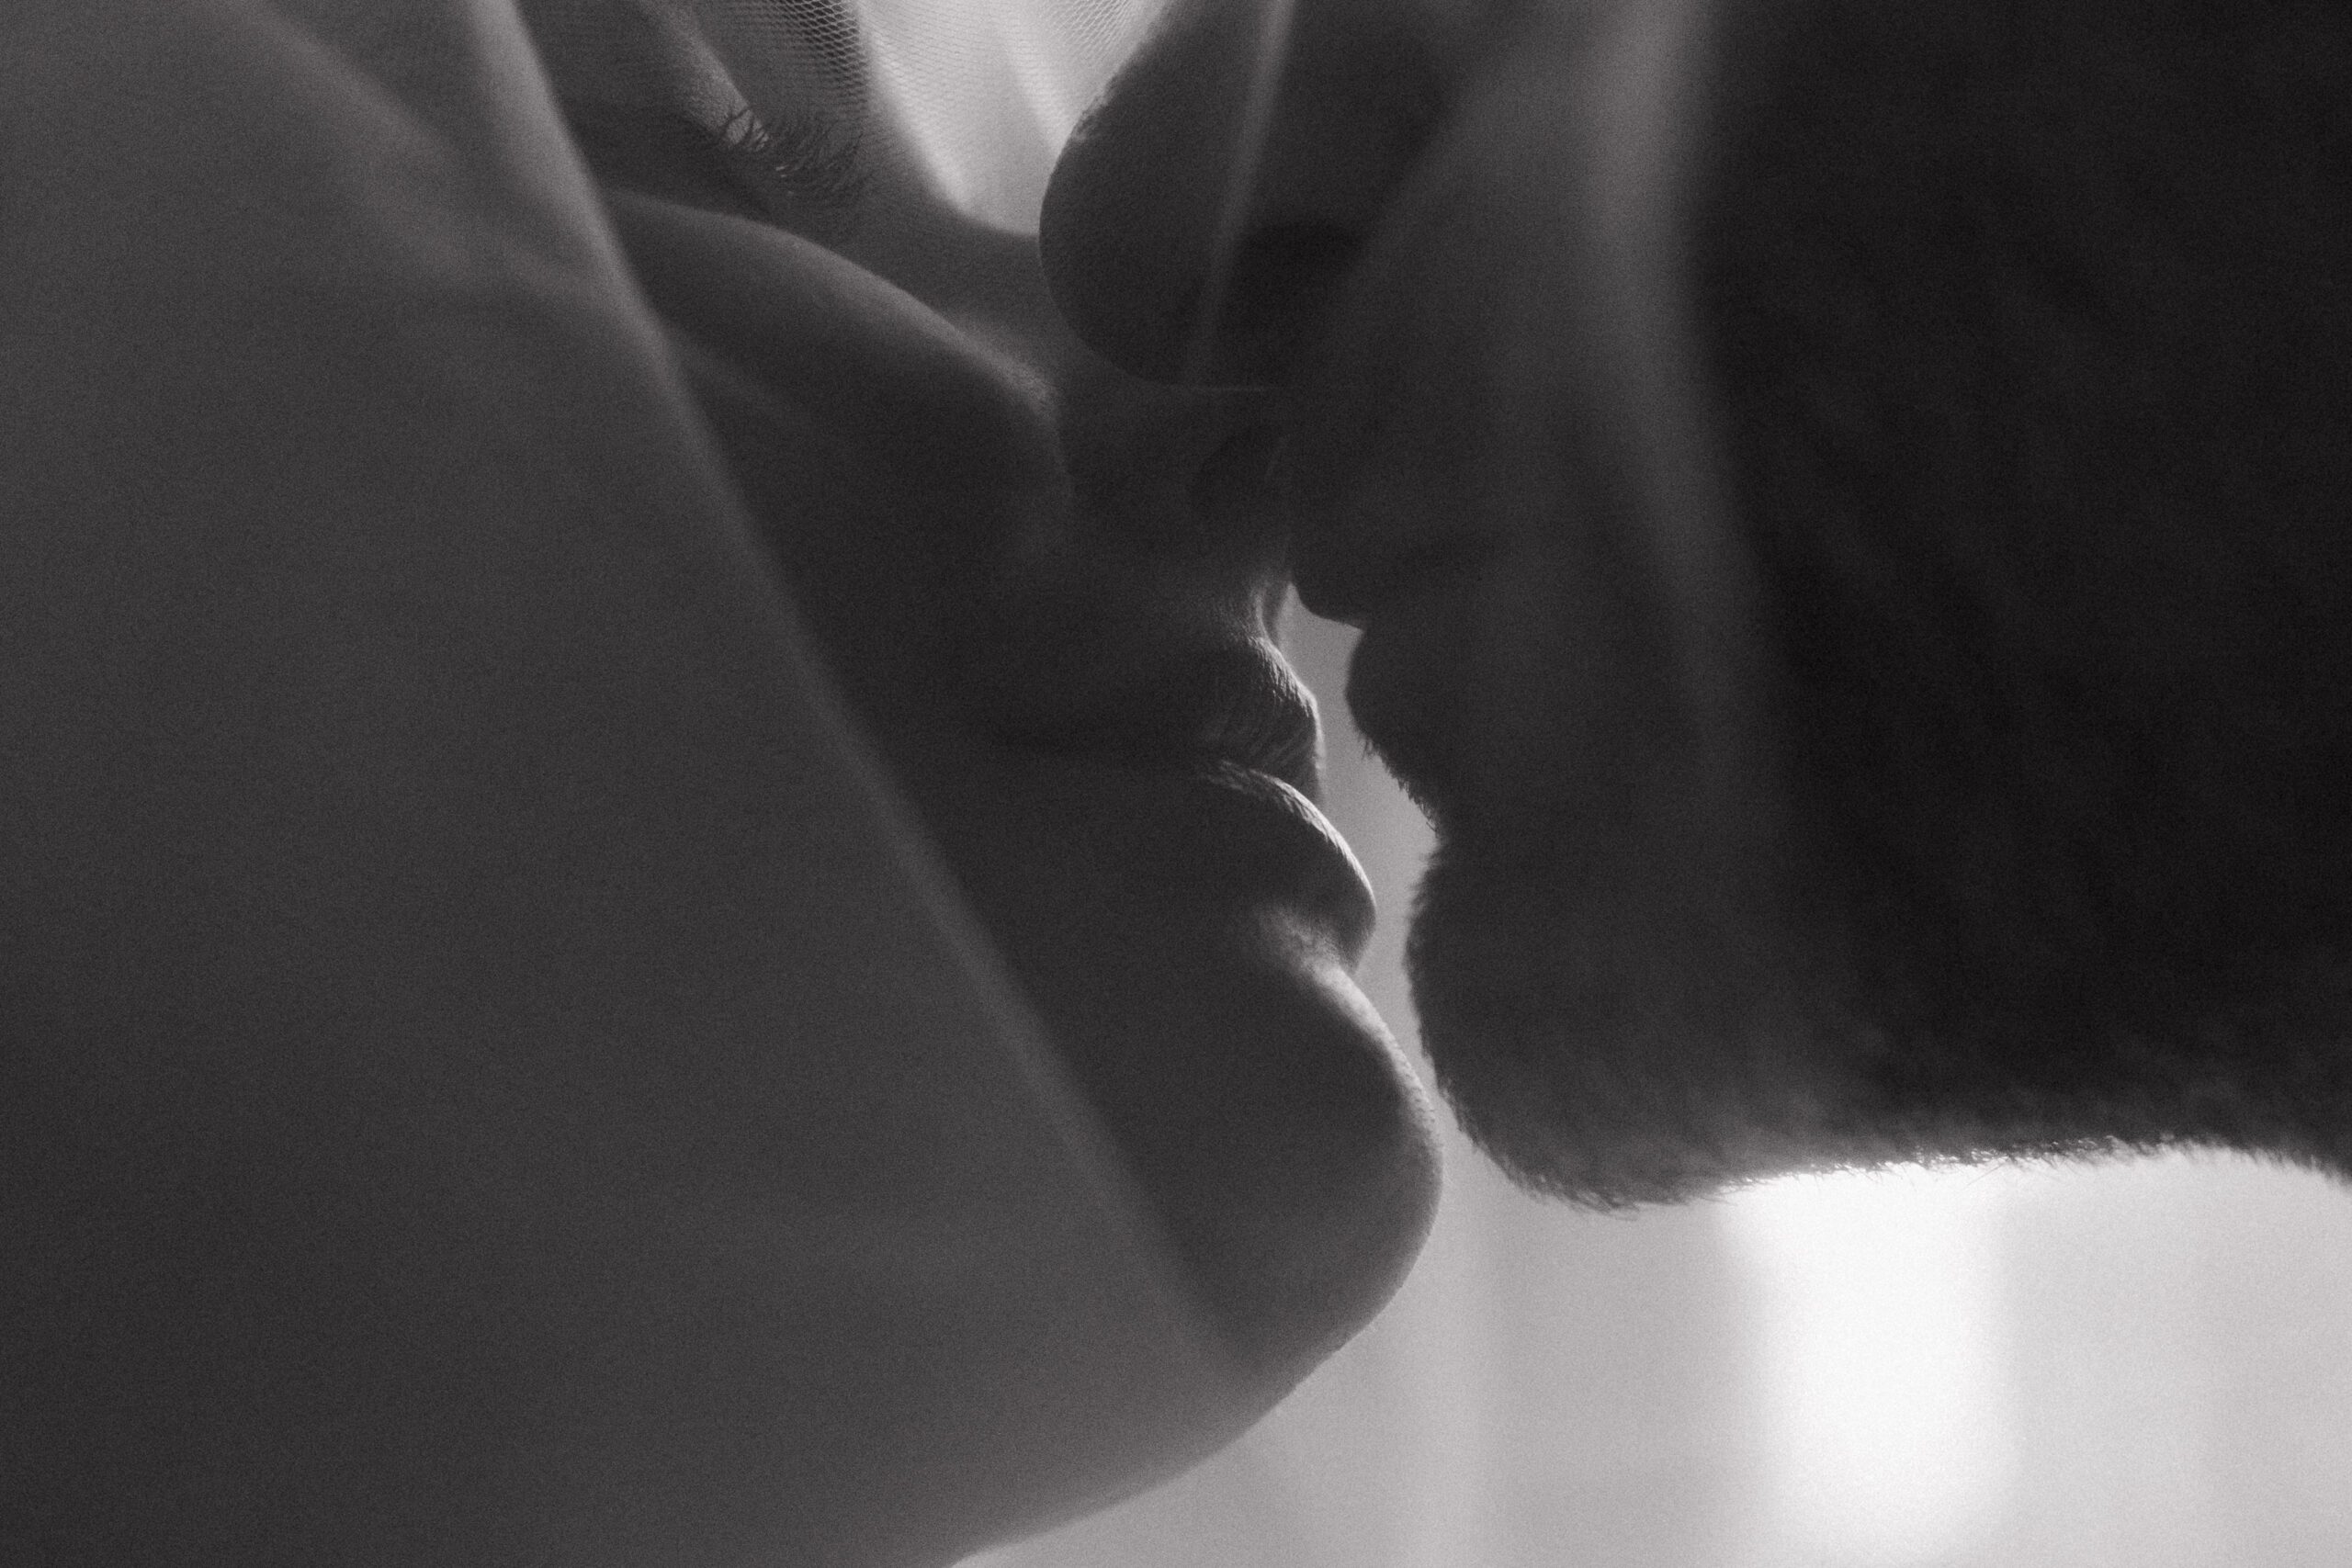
[[1615, 1056], [1601, 1056]]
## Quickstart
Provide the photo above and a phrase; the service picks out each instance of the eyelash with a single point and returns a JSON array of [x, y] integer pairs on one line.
[[808, 168]]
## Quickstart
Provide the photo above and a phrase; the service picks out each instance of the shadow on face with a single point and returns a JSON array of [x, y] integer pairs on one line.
[[1050, 591], [1843, 522]]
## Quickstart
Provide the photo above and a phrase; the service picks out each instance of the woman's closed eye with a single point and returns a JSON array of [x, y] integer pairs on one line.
[[805, 173]]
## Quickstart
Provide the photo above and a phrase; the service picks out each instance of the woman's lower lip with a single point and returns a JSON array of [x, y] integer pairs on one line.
[[1294, 826], [1215, 832]]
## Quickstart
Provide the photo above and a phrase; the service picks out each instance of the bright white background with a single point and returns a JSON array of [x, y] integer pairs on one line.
[[2138, 1366]]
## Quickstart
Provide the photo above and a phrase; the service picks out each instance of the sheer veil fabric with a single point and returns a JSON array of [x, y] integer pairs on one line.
[[985, 90], [975, 1213]]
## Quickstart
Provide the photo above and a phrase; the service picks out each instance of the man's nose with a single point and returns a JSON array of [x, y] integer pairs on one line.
[[1208, 208]]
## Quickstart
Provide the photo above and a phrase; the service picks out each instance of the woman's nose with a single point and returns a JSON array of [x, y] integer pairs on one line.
[[1135, 613], [1177, 514], [1178, 480], [1207, 209]]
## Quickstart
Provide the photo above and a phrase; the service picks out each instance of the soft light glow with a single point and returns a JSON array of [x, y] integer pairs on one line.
[[987, 91], [1888, 1439]]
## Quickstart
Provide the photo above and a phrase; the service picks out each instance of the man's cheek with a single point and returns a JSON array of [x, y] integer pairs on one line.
[[1508, 397], [1425, 372], [1503, 288], [1507, 379]]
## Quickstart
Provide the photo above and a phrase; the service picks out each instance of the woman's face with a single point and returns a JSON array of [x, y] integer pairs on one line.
[[1051, 593]]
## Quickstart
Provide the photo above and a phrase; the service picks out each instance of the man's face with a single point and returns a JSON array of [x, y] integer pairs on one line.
[[1808, 783]]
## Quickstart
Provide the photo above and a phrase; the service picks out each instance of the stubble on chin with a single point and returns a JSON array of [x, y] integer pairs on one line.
[[2028, 327], [1610, 1045], [1603, 1059], [1624, 1010], [2025, 328]]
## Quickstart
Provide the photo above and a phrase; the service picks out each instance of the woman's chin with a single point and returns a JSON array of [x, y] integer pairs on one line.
[[1192, 964]]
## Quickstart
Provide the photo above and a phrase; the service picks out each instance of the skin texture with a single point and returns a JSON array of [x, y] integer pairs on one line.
[[561, 1006], [1046, 558], [1841, 505]]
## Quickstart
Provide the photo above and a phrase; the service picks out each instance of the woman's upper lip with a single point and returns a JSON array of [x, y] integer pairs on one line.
[[1237, 703]]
